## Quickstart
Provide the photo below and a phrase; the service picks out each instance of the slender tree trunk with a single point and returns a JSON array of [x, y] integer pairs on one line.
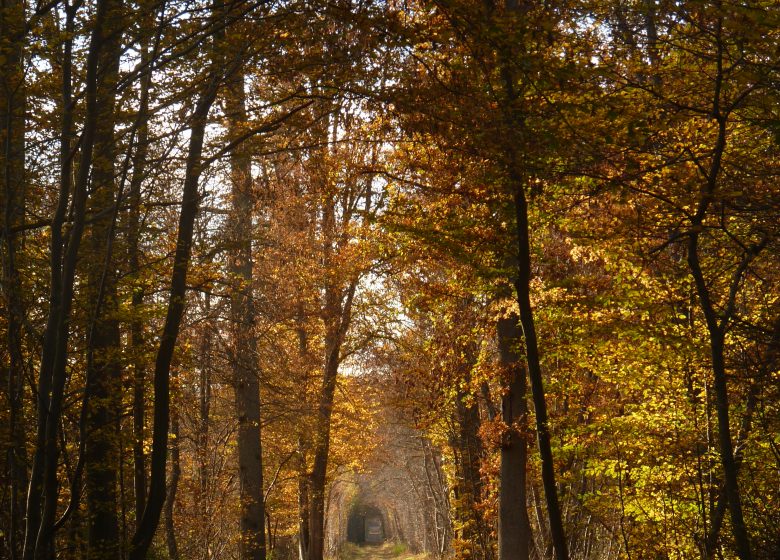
[[514, 530], [514, 122], [303, 509], [717, 326], [170, 502], [718, 364], [35, 487], [523, 292], [39, 533], [142, 539], [716, 522], [303, 479], [337, 316], [467, 451], [317, 482], [136, 335], [246, 371], [204, 425]]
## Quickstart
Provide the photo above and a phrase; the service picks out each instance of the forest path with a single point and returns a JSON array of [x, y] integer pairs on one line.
[[387, 551]]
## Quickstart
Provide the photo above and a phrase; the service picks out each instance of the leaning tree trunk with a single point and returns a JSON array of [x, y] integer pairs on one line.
[[523, 292], [155, 500], [516, 189]]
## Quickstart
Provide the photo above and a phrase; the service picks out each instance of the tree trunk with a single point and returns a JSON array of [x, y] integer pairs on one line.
[[142, 538], [317, 480], [467, 452], [43, 488], [102, 395], [136, 335], [12, 189], [204, 425], [35, 486], [246, 372], [303, 479], [170, 502], [514, 123], [523, 292], [718, 364], [514, 531]]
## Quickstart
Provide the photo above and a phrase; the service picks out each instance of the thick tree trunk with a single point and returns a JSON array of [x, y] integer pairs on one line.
[[514, 531], [12, 191], [246, 371], [102, 396]]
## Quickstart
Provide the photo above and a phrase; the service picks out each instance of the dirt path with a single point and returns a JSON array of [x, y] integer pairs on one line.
[[388, 551]]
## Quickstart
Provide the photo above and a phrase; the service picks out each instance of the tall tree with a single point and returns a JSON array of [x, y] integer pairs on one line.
[[244, 356], [12, 190], [102, 392], [514, 531], [220, 67], [42, 497]]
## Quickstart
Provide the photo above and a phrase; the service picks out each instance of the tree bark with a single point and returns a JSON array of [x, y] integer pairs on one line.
[[717, 326], [718, 364], [523, 292], [43, 488], [514, 530], [170, 502], [246, 371], [514, 123], [35, 486], [12, 189], [336, 315], [144, 533], [102, 395], [467, 454], [136, 335]]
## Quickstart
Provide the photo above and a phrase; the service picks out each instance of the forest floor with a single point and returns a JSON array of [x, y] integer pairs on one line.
[[387, 551]]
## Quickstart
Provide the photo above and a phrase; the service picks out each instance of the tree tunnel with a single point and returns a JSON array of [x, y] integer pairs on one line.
[[366, 525], [400, 496]]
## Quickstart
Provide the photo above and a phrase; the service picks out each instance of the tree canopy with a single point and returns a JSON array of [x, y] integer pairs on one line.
[[480, 280]]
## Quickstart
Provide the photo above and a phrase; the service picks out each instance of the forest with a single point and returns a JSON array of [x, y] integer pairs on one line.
[[390, 279]]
